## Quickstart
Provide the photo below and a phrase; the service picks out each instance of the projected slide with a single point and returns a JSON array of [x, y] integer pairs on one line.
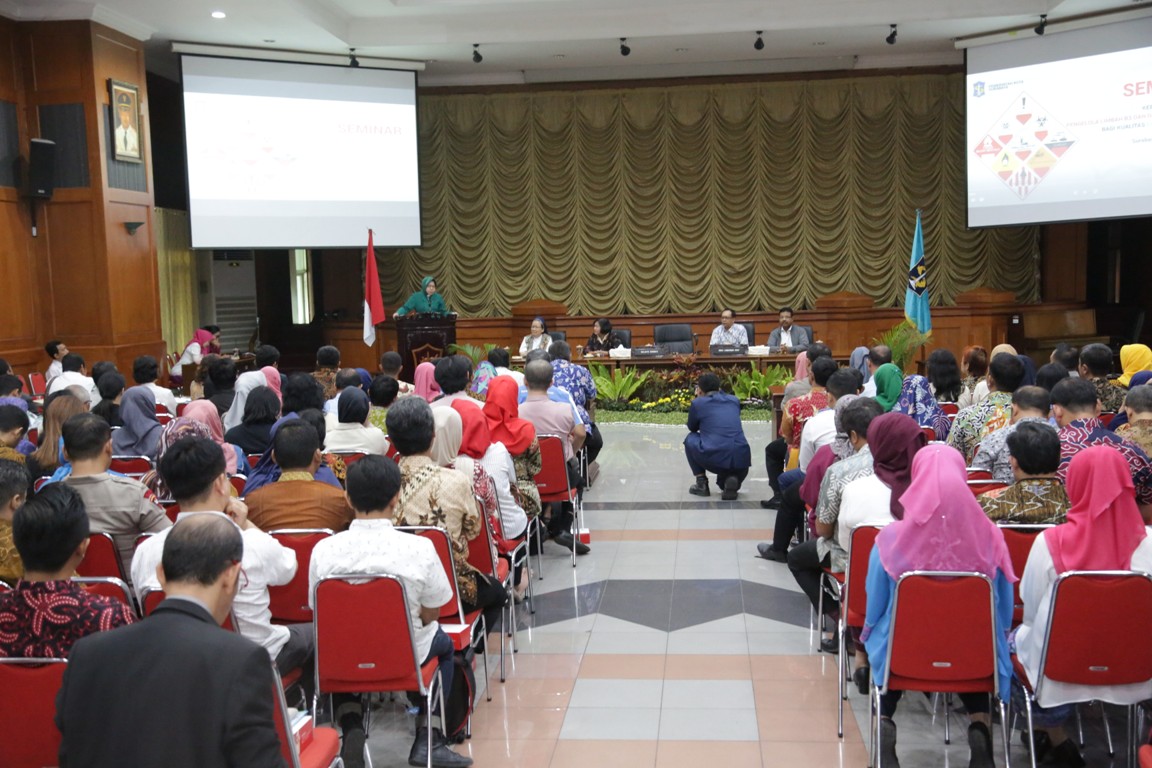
[[1061, 140], [290, 155]]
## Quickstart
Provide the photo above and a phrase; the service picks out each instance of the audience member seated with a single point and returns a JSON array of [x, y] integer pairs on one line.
[[820, 429], [75, 372], [518, 437], [268, 471], [13, 428], [186, 693], [334, 464], [205, 342], [56, 350], [1095, 365], [603, 338], [973, 369], [879, 355], [371, 545], [112, 387], [537, 337], [425, 385], [577, 381], [1118, 421], [381, 394], [1067, 357], [351, 433], [796, 412], [555, 394], [345, 378], [1138, 409], [549, 417], [498, 356], [48, 458], [268, 357], [302, 392], [327, 366], [1133, 359], [789, 337], [14, 482], [220, 389], [1037, 496], [448, 435], [202, 411], [480, 377], [431, 495], [145, 371], [889, 381], [1104, 532], [261, 410], [453, 374], [201, 386], [943, 374], [1029, 405], [173, 432], [1029, 379], [47, 612], [193, 470], [390, 365], [938, 508], [992, 412], [248, 382], [916, 400], [1050, 374], [982, 387], [1077, 411], [715, 441], [117, 505], [296, 500], [728, 332]]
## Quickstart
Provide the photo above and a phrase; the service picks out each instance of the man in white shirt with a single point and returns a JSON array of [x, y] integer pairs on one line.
[[789, 337], [728, 332], [347, 377], [820, 429], [75, 372], [371, 546], [877, 356], [56, 350], [145, 371], [127, 139], [194, 471]]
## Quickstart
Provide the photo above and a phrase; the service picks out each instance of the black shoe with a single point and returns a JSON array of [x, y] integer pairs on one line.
[[1041, 744], [772, 503], [352, 750], [418, 755], [862, 676], [980, 746], [565, 540], [830, 644], [769, 552], [731, 486], [1065, 755], [888, 744], [443, 757], [700, 488]]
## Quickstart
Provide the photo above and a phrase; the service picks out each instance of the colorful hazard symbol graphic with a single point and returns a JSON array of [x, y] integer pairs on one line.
[[1024, 145]]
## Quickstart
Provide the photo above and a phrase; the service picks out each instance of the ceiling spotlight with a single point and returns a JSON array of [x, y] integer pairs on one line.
[[624, 49], [476, 57], [352, 60], [891, 39], [759, 44], [1042, 25], [219, 15]]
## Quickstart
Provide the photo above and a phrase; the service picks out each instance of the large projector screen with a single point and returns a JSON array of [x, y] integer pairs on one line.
[[300, 156], [1059, 127]]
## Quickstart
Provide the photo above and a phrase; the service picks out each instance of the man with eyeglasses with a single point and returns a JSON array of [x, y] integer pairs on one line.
[[193, 470]]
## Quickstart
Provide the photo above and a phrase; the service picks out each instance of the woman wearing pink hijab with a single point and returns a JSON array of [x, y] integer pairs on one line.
[[424, 382], [205, 412], [1104, 532], [205, 340]]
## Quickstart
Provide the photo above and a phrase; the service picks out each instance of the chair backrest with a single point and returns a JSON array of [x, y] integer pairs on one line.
[[929, 433], [5, 586], [288, 749], [675, 338], [625, 336], [180, 409], [289, 602], [33, 436], [28, 708], [132, 466], [983, 486], [552, 479], [439, 538], [171, 509], [163, 416], [253, 460], [37, 384], [238, 482], [107, 587], [950, 409], [150, 598], [350, 458], [811, 333], [482, 550], [1107, 416], [942, 635], [102, 558], [364, 637], [859, 551], [40, 482], [1090, 624], [1019, 539], [558, 335], [751, 328]]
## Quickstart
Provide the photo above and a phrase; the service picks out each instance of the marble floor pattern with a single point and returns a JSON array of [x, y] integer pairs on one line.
[[671, 644]]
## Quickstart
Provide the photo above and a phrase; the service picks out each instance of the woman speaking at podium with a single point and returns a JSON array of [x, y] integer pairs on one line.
[[426, 301]]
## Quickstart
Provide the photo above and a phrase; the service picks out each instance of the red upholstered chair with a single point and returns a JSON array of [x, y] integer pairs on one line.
[[552, 482], [28, 708], [108, 587], [289, 603], [350, 457], [238, 483], [162, 415], [951, 409], [253, 460], [132, 466], [1089, 611], [5, 586], [37, 384], [1146, 756], [322, 750], [483, 557], [942, 639], [102, 558], [365, 641], [33, 436], [1107, 416], [180, 409], [1019, 539], [929, 433]]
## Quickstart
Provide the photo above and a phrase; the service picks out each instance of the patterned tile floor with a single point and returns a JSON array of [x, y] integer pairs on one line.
[[672, 644]]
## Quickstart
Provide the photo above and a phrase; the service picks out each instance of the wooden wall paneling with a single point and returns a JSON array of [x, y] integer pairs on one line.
[[59, 57], [1064, 262], [132, 279], [78, 291]]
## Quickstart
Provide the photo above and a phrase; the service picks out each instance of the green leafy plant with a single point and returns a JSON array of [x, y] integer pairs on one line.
[[904, 340], [751, 384], [473, 352], [617, 385]]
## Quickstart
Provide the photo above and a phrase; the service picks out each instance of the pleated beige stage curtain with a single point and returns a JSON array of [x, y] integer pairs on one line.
[[690, 198], [176, 266]]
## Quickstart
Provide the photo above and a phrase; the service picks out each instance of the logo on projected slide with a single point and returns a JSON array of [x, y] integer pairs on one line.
[[1024, 145], [978, 89]]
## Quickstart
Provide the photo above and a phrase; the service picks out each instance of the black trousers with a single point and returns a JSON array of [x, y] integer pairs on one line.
[[490, 598], [789, 518], [807, 568], [593, 441], [975, 703], [775, 454]]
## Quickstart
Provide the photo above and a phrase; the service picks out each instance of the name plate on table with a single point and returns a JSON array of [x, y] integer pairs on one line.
[[649, 351], [728, 349]]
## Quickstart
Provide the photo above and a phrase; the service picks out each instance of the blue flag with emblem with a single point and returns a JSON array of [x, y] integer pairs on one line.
[[916, 298]]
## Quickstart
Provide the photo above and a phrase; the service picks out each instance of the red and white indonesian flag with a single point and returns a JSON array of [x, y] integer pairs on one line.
[[373, 301]]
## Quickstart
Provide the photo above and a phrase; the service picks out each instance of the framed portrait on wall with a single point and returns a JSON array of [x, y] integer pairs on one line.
[[126, 118]]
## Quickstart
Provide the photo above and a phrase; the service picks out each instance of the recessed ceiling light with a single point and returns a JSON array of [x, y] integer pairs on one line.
[[219, 15], [558, 56]]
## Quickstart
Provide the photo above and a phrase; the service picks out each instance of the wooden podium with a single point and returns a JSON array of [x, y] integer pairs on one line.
[[423, 337]]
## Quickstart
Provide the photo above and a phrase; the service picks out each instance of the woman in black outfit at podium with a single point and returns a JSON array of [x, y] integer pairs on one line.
[[424, 301]]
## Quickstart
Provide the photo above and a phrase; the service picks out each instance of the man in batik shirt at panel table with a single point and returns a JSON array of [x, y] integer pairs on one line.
[[976, 422], [1029, 404], [1037, 497]]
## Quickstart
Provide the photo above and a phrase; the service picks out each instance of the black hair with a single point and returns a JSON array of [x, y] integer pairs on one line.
[[315, 417], [452, 373], [410, 425], [1007, 371], [145, 369], [49, 528], [14, 481], [347, 377], [267, 355], [1075, 394], [328, 356], [708, 382], [372, 483], [559, 350], [1049, 374], [261, 407], [13, 416], [1033, 398], [301, 392], [1139, 398], [818, 349], [5, 367], [728, 309], [85, 436], [880, 354], [391, 362], [10, 383], [199, 548], [102, 368], [1036, 448], [789, 310], [844, 381], [72, 362], [822, 370], [53, 347], [944, 375], [110, 385], [190, 467], [498, 357], [212, 329], [383, 391], [295, 445], [223, 374], [352, 406], [1066, 355], [1097, 358], [605, 325], [858, 414], [538, 374]]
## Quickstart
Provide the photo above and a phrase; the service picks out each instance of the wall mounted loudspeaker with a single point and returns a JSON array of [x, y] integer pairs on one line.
[[42, 169]]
